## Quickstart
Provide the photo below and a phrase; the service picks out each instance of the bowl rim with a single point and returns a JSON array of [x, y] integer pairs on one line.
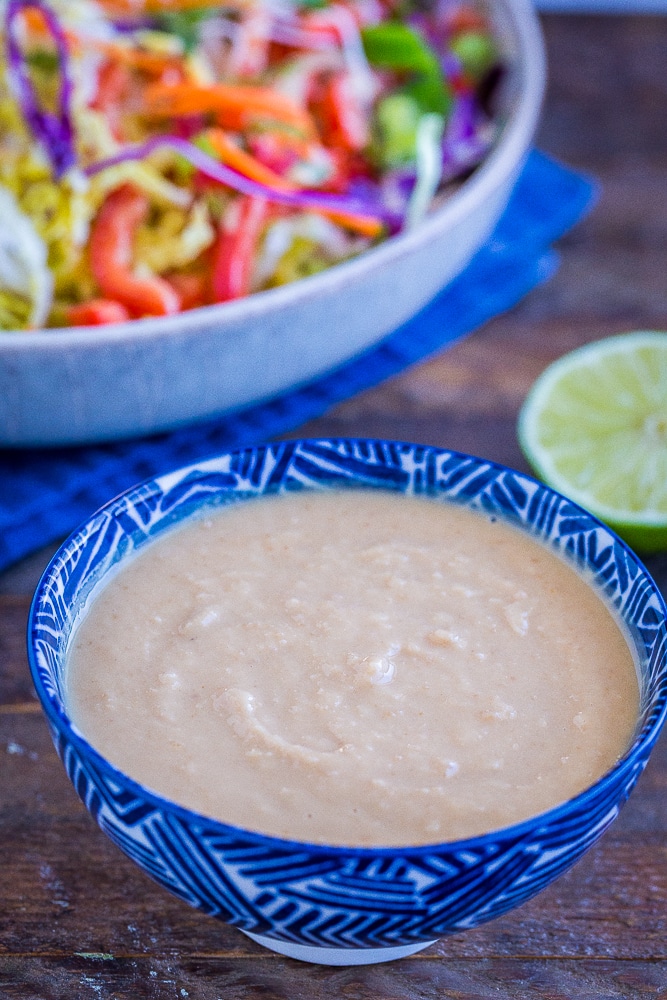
[[634, 758], [498, 165]]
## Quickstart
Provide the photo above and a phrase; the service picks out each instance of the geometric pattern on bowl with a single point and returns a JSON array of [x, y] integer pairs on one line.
[[343, 897]]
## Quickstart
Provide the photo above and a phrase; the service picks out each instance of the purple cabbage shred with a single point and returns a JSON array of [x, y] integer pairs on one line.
[[359, 204], [53, 130]]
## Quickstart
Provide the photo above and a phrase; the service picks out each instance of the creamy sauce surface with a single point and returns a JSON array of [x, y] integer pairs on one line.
[[354, 667]]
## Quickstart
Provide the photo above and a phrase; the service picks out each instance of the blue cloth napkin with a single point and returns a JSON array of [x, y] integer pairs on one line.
[[45, 494]]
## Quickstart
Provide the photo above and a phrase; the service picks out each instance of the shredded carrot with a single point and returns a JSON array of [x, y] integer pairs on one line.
[[235, 106], [238, 159], [365, 225], [131, 7], [34, 20], [149, 62]]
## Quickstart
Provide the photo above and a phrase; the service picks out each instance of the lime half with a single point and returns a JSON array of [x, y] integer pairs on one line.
[[594, 427]]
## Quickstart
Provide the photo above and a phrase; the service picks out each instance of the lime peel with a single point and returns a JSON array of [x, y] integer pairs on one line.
[[594, 427]]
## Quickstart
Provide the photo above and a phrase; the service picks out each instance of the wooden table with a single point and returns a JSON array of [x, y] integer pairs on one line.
[[78, 920]]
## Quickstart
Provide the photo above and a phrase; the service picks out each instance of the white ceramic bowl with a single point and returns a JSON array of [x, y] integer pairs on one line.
[[73, 386]]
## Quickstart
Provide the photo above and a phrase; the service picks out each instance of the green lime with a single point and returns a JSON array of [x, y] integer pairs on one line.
[[594, 427]]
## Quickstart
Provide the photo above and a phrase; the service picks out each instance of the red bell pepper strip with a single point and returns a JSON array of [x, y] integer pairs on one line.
[[191, 288], [113, 88], [235, 249], [465, 19], [344, 121], [96, 312], [110, 250]]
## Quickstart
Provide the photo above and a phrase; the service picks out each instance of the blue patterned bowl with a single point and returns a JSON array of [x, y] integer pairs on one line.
[[341, 905]]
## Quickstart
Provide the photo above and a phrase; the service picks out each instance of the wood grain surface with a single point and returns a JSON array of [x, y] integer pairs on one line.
[[78, 920]]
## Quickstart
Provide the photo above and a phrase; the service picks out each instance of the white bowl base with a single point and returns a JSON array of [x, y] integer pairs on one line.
[[337, 956]]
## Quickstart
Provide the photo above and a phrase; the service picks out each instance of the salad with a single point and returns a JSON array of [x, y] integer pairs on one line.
[[160, 156]]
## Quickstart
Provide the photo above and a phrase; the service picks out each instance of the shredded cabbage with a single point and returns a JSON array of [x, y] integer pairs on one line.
[[329, 245], [26, 283], [429, 167]]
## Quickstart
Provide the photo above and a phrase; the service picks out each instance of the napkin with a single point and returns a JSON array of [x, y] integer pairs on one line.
[[46, 493]]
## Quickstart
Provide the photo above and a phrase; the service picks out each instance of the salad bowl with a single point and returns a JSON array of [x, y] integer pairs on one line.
[[326, 903], [74, 385]]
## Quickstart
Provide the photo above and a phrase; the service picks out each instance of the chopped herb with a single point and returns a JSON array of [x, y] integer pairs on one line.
[[395, 46], [185, 24]]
